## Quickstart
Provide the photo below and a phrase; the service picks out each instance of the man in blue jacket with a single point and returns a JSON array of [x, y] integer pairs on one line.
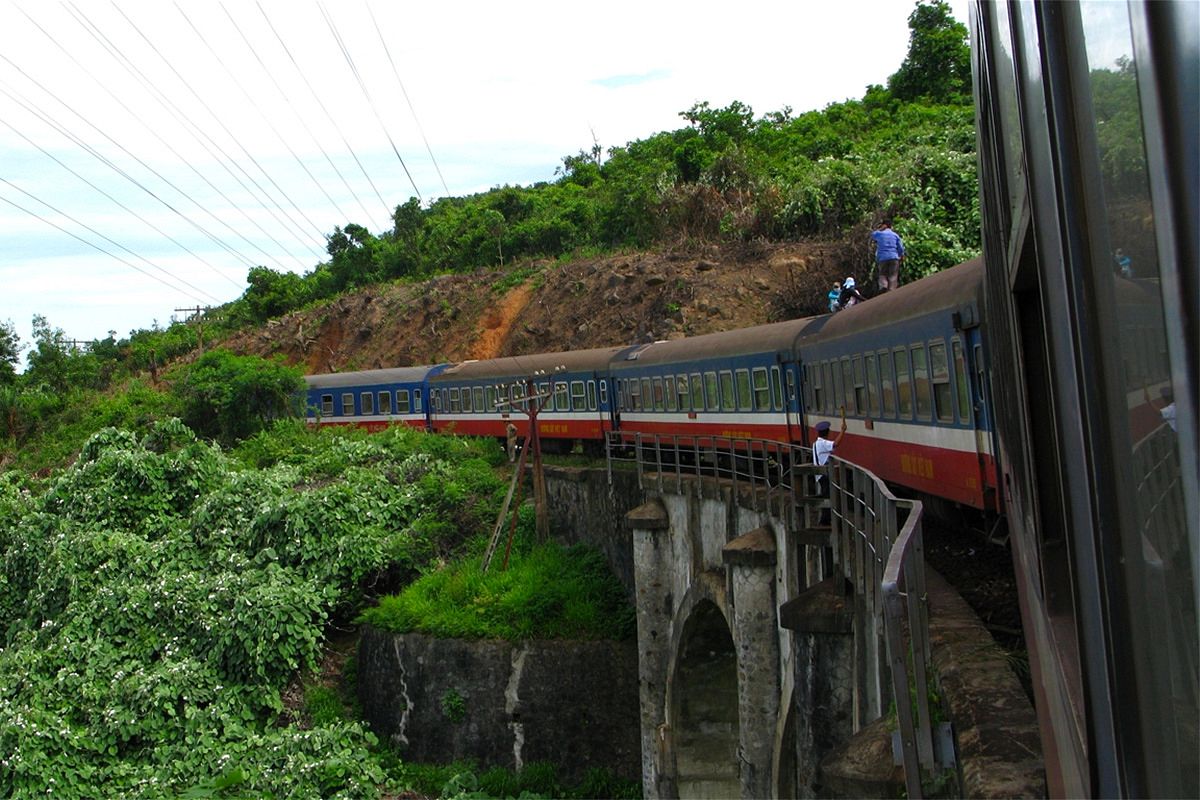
[[889, 252]]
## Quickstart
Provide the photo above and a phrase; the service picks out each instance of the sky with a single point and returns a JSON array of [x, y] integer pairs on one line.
[[152, 152]]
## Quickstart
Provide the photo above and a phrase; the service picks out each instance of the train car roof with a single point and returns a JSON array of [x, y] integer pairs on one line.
[[526, 366], [950, 289], [369, 377], [775, 336]]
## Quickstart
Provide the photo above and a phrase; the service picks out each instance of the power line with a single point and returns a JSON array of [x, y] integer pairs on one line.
[[96, 246], [317, 97], [124, 174], [404, 92], [258, 107], [87, 148], [337, 37], [299, 117]]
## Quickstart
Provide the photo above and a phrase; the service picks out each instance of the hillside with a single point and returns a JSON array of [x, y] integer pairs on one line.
[[564, 305]]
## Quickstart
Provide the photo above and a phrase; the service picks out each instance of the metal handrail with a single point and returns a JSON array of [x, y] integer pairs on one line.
[[882, 561]]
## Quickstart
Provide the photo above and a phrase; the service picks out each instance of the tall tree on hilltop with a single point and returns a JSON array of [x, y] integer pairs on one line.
[[938, 65]]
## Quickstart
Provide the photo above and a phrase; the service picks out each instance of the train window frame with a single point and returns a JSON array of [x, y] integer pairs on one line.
[[792, 398], [455, 401], [920, 379], [696, 384], [348, 404], [383, 402], [465, 399], [846, 368], [728, 399], [762, 393], [418, 404], [815, 401], [904, 388], [940, 380], [562, 396], [887, 385], [871, 366], [633, 394], [591, 395], [327, 405], [402, 402], [604, 393], [477, 399], [744, 397], [860, 384], [491, 398], [961, 379], [669, 395], [647, 395], [683, 392], [776, 387], [712, 391], [656, 384], [578, 396], [367, 399]]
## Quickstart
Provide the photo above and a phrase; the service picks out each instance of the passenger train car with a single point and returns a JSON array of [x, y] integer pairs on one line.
[[903, 370], [1087, 116]]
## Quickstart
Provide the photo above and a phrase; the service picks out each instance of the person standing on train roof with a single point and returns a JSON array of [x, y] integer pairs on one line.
[[889, 252]]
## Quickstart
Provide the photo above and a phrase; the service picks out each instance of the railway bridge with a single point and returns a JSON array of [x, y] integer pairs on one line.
[[771, 646]]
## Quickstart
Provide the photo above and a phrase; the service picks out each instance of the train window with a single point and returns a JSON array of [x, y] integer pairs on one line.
[[384, 402], [886, 385], [659, 402], [669, 390], [562, 396], [348, 404], [834, 382], [860, 386], [417, 407], [697, 387], [545, 400], [939, 370], [578, 396], [712, 396], [903, 385], [744, 400], [402, 401], [591, 395], [327, 405], [961, 381], [872, 384], [684, 392], [455, 401], [847, 394], [776, 390], [647, 396], [477, 403], [604, 392], [727, 397], [817, 401], [920, 379], [466, 399], [368, 403], [632, 395], [762, 390], [791, 389], [490, 400]]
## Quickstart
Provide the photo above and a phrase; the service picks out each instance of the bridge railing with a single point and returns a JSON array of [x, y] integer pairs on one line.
[[880, 556]]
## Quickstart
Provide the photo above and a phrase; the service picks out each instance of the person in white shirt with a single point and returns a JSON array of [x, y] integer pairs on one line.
[[822, 448]]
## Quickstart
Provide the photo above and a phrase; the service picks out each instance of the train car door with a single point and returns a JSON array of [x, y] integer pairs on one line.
[[978, 416], [792, 404]]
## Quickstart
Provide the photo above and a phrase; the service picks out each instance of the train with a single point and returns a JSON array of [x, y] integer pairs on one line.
[[1052, 382], [904, 371]]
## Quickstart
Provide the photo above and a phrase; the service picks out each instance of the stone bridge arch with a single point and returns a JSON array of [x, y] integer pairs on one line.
[[712, 669]]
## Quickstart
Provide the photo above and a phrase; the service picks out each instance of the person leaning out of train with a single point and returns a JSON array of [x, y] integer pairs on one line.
[[822, 448]]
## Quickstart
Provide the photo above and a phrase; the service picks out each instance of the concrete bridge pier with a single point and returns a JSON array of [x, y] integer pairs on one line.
[[710, 647]]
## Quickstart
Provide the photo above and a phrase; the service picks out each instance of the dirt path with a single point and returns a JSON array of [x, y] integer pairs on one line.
[[495, 324]]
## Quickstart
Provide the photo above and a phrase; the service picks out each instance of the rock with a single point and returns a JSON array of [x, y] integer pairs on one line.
[[655, 280], [705, 266]]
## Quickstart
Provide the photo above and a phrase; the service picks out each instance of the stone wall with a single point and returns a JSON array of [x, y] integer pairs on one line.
[[585, 508], [572, 703]]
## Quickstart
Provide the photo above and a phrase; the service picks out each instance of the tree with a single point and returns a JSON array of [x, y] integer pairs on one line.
[[10, 352], [229, 397], [938, 65]]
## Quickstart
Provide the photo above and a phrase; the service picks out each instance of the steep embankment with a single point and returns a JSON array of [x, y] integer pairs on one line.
[[590, 302]]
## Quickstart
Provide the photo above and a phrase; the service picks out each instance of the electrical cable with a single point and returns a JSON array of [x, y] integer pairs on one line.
[[97, 247], [404, 92], [299, 117], [337, 37]]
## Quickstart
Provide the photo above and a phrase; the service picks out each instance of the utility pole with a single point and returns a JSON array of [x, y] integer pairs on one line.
[[197, 313]]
